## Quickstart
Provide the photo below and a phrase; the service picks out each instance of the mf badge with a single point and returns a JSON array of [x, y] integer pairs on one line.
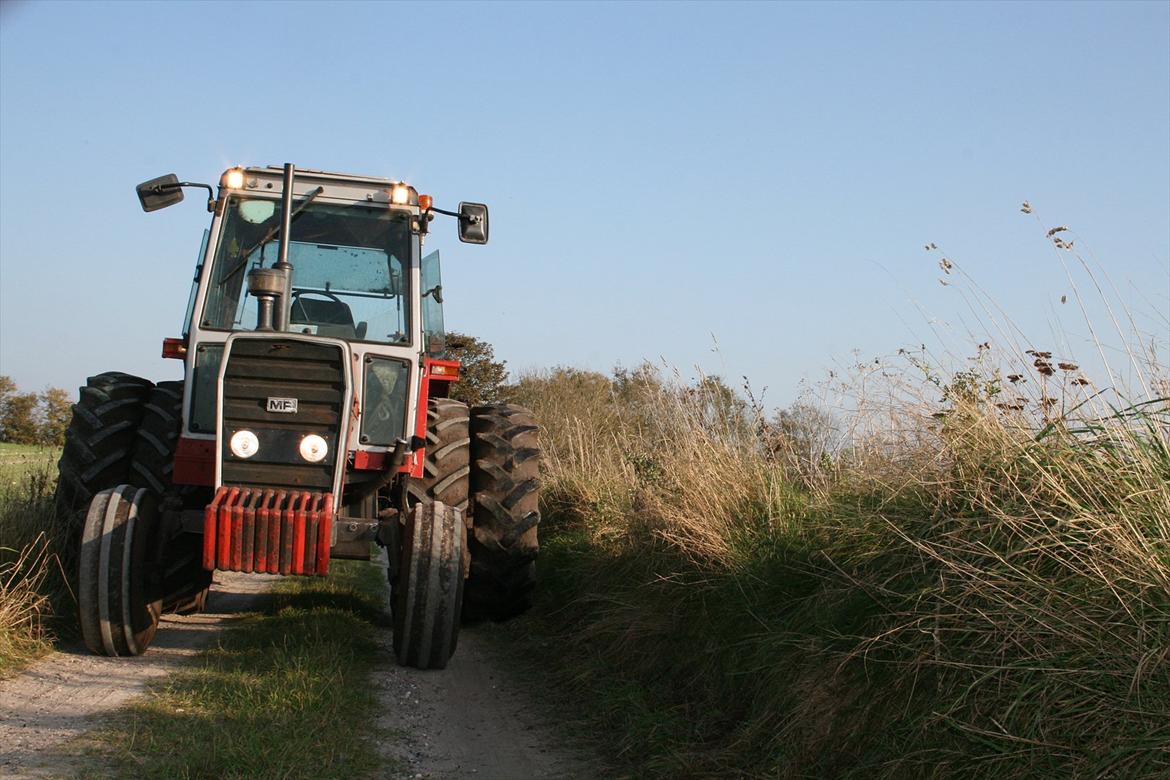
[[282, 405]]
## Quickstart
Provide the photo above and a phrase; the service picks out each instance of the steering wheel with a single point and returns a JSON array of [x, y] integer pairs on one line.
[[296, 298]]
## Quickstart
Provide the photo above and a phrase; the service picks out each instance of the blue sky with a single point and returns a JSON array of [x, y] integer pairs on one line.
[[662, 177]]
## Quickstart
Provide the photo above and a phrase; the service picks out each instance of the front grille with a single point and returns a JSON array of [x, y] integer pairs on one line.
[[259, 369]]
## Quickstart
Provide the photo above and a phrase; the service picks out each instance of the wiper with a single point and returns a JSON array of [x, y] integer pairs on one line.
[[273, 232]]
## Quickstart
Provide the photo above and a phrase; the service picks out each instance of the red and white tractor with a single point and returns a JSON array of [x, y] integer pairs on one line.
[[313, 419]]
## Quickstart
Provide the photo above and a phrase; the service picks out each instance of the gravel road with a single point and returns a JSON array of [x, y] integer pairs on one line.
[[469, 720], [66, 693]]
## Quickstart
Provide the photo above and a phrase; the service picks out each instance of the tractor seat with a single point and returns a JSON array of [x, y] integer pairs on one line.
[[332, 318]]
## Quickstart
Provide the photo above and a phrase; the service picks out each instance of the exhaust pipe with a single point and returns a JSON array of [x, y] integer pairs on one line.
[[286, 197]]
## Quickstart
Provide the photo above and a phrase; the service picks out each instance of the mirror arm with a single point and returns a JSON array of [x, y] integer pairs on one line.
[[472, 220], [161, 188]]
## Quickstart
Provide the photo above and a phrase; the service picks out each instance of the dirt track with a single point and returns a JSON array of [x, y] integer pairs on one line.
[[66, 693], [472, 719], [466, 721]]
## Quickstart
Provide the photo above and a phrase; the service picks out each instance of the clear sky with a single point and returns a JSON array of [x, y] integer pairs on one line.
[[662, 177]]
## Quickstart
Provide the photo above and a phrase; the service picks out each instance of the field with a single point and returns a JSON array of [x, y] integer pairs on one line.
[[18, 460]]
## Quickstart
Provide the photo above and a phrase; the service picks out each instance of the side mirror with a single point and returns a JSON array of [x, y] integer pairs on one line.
[[473, 223], [159, 193]]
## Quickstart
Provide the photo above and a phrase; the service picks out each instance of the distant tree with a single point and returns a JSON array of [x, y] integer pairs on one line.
[[56, 408], [33, 418], [7, 389], [482, 375], [19, 423]]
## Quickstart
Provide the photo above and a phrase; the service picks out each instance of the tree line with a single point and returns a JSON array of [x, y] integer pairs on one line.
[[33, 418]]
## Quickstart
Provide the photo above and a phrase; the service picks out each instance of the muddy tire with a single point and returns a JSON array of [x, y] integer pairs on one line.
[[505, 470], [118, 607], [99, 443], [446, 468], [185, 581], [429, 594]]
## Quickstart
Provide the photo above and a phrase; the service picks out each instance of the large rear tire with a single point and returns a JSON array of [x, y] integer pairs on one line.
[[447, 465], [117, 603], [98, 445], [505, 471], [185, 581], [429, 594]]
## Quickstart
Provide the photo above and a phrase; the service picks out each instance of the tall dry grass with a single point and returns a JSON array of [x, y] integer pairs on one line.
[[930, 571], [29, 574]]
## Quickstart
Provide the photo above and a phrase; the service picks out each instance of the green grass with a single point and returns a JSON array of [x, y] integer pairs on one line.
[[285, 693], [17, 460]]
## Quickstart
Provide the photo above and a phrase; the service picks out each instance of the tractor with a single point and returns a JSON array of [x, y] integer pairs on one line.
[[314, 420]]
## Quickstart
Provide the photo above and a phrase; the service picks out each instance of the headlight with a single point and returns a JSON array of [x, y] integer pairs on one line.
[[313, 448], [244, 444]]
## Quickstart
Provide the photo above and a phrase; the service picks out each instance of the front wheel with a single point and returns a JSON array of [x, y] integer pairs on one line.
[[428, 594], [118, 603]]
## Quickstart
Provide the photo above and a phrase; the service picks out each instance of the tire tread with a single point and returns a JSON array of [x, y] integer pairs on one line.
[[505, 484]]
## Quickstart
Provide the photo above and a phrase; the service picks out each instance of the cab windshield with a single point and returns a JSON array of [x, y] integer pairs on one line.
[[350, 264]]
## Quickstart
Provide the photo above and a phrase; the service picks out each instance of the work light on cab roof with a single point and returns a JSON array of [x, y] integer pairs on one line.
[[232, 179], [314, 419]]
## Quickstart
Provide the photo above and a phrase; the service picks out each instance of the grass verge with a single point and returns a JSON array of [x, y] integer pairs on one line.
[[966, 588], [284, 694], [31, 581]]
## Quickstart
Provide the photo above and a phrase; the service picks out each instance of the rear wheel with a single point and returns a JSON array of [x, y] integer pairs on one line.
[[98, 446], [185, 581], [429, 593], [447, 464], [119, 606], [505, 470]]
